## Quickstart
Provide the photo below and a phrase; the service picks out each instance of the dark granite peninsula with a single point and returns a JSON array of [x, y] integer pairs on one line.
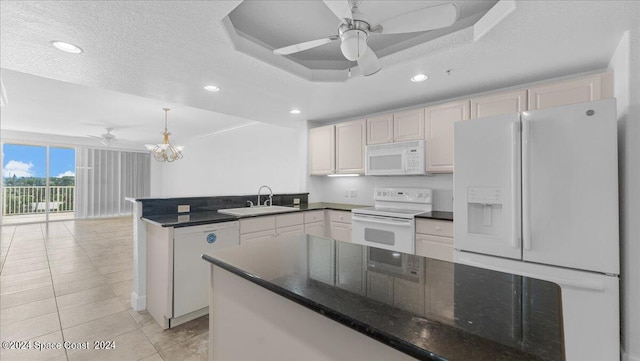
[[307, 297]]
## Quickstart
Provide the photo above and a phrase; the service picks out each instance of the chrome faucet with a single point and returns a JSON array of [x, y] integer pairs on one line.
[[270, 200]]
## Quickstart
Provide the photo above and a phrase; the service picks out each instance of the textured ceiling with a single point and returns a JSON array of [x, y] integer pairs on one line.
[[166, 51]]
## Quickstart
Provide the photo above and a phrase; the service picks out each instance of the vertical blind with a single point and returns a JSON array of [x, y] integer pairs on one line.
[[105, 177]]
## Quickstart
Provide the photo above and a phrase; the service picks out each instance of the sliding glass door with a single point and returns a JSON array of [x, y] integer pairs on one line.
[[38, 183]]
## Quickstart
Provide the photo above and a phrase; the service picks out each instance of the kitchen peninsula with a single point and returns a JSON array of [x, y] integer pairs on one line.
[[287, 299]]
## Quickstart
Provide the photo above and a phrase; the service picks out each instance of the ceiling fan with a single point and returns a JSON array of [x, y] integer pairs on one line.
[[105, 138], [354, 30]]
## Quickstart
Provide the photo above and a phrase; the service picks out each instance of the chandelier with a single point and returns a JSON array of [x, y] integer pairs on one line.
[[165, 152]]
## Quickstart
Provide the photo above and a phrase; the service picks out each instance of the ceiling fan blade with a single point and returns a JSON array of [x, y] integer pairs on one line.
[[434, 17], [369, 63], [341, 8], [304, 46]]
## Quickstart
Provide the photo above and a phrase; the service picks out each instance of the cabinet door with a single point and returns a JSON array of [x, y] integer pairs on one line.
[[350, 267], [322, 150], [408, 125], [434, 247], [350, 139], [341, 231], [439, 130], [380, 287], [380, 129], [256, 237], [257, 224], [286, 232], [408, 295], [573, 91], [498, 104], [314, 229]]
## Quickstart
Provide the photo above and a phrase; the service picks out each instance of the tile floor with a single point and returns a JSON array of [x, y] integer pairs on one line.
[[72, 281]]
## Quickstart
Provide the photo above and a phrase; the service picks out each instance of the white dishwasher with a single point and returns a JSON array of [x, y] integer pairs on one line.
[[190, 272]]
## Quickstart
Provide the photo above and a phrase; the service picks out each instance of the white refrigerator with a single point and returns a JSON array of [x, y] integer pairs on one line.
[[536, 194]]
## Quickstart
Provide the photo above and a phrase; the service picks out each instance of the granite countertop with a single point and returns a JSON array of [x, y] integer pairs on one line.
[[444, 311], [212, 215]]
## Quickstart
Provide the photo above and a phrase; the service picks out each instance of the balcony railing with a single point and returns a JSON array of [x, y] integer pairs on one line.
[[32, 199]]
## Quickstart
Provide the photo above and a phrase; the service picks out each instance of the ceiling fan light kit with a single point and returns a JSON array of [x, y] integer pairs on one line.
[[165, 151], [354, 31]]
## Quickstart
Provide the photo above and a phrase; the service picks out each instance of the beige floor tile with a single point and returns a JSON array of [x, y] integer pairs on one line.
[[72, 268], [88, 312], [21, 285], [34, 354], [105, 328], [56, 251], [67, 261], [123, 287], [33, 327], [27, 311], [119, 276], [65, 288], [194, 349], [83, 297], [130, 346], [19, 249], [116, 267], [23, 297], [142, 318], [27, 255], [25, 276], [163, 339], [74, 276], [25, 266], [154, 357]]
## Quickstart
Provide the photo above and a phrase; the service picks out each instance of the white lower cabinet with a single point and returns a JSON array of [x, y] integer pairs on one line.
[[434, 239], [265, 228], [408, 295], [314, 223], [380, 287], [340, 225], [351, 267]]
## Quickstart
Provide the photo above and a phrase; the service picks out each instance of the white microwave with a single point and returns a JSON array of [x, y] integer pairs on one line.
[[402, 158]]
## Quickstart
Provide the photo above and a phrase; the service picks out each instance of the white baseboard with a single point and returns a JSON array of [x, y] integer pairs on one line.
[[138, 303], [627, 357]]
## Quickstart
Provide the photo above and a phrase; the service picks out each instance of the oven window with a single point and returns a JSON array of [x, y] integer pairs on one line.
[[383, 162], [383, 256], [379, 236]]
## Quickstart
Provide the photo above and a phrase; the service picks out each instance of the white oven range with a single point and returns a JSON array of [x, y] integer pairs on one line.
[[390, 223]]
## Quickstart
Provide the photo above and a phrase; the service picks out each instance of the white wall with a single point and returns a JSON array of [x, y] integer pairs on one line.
[[238, 162], [626, 66], [332, 189]]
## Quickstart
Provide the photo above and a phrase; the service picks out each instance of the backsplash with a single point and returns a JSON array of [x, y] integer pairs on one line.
[[342, 190], [158, 206]]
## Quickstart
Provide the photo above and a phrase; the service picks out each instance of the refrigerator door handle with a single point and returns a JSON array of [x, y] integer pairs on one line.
[[515, 186], [526, 222]]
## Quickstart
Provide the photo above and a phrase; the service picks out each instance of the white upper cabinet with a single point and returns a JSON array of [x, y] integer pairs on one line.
[[498, 104], [439, 120], [595, 87], [322, 150], [396, 127], [380, 129], [350, 142], [408, 125]]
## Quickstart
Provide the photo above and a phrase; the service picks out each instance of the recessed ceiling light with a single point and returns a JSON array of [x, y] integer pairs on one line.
[[419, 77], [295, 111], [211, 88], [68, 47]]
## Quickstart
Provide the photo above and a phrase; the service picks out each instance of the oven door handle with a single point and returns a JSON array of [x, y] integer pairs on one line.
[[401, 223]]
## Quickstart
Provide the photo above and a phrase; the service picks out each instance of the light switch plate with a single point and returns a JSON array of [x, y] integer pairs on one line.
[[184, 208]]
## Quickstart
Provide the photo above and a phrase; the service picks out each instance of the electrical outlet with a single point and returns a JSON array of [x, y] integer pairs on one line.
[[184, 208], [353, 193], [296, 201]]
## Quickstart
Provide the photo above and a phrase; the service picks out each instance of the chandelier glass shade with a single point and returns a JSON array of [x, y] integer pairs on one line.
[[165, 151]]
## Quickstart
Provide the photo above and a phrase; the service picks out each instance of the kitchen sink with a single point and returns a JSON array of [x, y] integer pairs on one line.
[[254, 211]]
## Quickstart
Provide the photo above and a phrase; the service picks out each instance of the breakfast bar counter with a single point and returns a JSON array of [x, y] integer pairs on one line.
[[308, 297]]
